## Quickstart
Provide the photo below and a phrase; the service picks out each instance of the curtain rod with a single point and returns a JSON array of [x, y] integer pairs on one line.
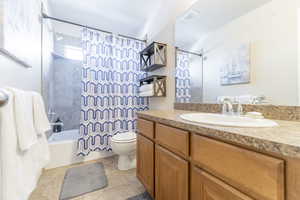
[[197, 54], [89, 27]]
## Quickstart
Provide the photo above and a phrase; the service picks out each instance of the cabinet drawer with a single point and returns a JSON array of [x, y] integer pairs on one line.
[[146, 128], [255, 174], [174, 139]]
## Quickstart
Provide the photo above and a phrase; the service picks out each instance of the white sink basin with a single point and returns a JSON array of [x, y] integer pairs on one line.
[[227, 120]]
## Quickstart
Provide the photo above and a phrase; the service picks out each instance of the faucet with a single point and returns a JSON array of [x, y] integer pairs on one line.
[[239, 110], [227, 107], [259, 99]]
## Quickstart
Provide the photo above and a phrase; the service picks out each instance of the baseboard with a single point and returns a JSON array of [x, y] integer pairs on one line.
[[65, 159]]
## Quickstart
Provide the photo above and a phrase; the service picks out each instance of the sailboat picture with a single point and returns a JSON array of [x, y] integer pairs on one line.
[[236, 69]]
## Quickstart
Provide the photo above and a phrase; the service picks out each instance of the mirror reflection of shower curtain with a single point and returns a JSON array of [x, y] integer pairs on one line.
[[183, 77], [189, 77], [110, 82]]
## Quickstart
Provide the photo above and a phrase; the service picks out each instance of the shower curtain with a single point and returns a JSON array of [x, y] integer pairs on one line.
[[183, 78], [110, 81]]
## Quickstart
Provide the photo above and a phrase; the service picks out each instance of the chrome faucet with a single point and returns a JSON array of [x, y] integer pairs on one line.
[[239, 110], [259, 99], [227, 107]]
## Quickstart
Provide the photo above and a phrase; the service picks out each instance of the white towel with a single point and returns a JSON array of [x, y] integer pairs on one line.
[[23, 111], [19, 171], [147, 87], [40, 119], [147, 93]]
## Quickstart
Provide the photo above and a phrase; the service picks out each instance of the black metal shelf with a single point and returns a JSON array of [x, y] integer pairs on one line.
[[153, 57], [149, 50]]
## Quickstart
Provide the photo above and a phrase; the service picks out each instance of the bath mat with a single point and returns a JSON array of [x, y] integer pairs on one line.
[[143, 196], [82, 180]]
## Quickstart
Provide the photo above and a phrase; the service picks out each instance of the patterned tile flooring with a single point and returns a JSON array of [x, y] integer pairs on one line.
[[121, 184]]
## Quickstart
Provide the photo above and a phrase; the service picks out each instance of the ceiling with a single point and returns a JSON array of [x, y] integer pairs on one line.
[[130, 17], [205, 16], [117, 16]]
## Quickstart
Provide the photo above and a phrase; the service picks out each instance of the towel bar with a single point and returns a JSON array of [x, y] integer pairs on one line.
[[3, 98]]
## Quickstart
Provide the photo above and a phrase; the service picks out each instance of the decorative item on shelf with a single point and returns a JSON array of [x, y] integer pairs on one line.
[[153, 56], [153, 86]]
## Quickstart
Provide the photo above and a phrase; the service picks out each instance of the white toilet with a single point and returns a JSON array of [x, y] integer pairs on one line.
[[124, 144]]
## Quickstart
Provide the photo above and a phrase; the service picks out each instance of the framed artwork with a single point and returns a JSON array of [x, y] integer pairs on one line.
[[236, 67]]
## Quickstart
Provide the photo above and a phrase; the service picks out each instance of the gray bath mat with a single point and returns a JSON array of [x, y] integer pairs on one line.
[[143, 196], [82, 180]]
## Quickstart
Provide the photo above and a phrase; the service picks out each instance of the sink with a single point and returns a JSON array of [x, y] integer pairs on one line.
[[228, 120]]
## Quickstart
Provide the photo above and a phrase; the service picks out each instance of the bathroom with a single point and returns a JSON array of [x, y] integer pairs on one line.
[[149, 100]]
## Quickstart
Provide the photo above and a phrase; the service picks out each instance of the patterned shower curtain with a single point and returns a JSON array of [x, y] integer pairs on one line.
[[183, 78], [110, 81]]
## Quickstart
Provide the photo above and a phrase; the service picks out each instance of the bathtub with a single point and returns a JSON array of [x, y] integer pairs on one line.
[[63, 150]]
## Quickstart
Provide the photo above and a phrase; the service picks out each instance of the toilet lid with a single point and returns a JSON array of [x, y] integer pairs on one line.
[[124, 137]]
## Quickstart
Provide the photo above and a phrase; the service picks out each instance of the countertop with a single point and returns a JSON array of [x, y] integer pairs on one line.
[[283, 140]]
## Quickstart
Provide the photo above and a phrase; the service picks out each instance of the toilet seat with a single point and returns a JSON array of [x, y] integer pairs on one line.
[[124, 137]]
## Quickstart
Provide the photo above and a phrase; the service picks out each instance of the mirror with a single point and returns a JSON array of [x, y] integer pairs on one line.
[[245, 51]]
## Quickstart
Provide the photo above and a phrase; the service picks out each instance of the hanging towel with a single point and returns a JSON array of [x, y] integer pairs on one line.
[[19, 171], [40, 119], [147, 93], [23, 111], [147, 87]]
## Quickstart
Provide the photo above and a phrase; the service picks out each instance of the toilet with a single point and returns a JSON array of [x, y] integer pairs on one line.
[[124, 144]]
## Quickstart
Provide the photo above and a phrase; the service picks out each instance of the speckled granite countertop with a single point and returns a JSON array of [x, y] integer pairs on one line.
[[283, 140]]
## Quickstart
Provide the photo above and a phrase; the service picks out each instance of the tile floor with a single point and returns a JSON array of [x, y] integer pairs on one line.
[[121, 184]]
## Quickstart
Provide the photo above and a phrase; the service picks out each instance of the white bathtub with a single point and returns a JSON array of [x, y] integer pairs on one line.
[[63, 150], [71, 135]]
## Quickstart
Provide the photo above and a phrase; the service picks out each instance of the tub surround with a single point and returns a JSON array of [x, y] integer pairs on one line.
[[213, 162], [277, 112]]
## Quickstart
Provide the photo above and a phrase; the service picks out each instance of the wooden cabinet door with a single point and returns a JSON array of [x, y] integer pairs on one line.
[[207, 187], [145, 163], [171, 176]]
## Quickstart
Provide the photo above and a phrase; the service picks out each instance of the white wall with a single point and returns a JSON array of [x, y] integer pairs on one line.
[[272, 32], [15, 75], [299, 53], [162, 29]]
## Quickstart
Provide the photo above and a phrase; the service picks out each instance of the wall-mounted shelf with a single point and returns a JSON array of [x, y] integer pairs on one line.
[[153, 57], [159, 85]]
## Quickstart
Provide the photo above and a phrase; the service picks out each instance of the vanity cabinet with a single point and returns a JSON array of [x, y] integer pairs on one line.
[[145, 163], [171, 176], [175, 164]]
